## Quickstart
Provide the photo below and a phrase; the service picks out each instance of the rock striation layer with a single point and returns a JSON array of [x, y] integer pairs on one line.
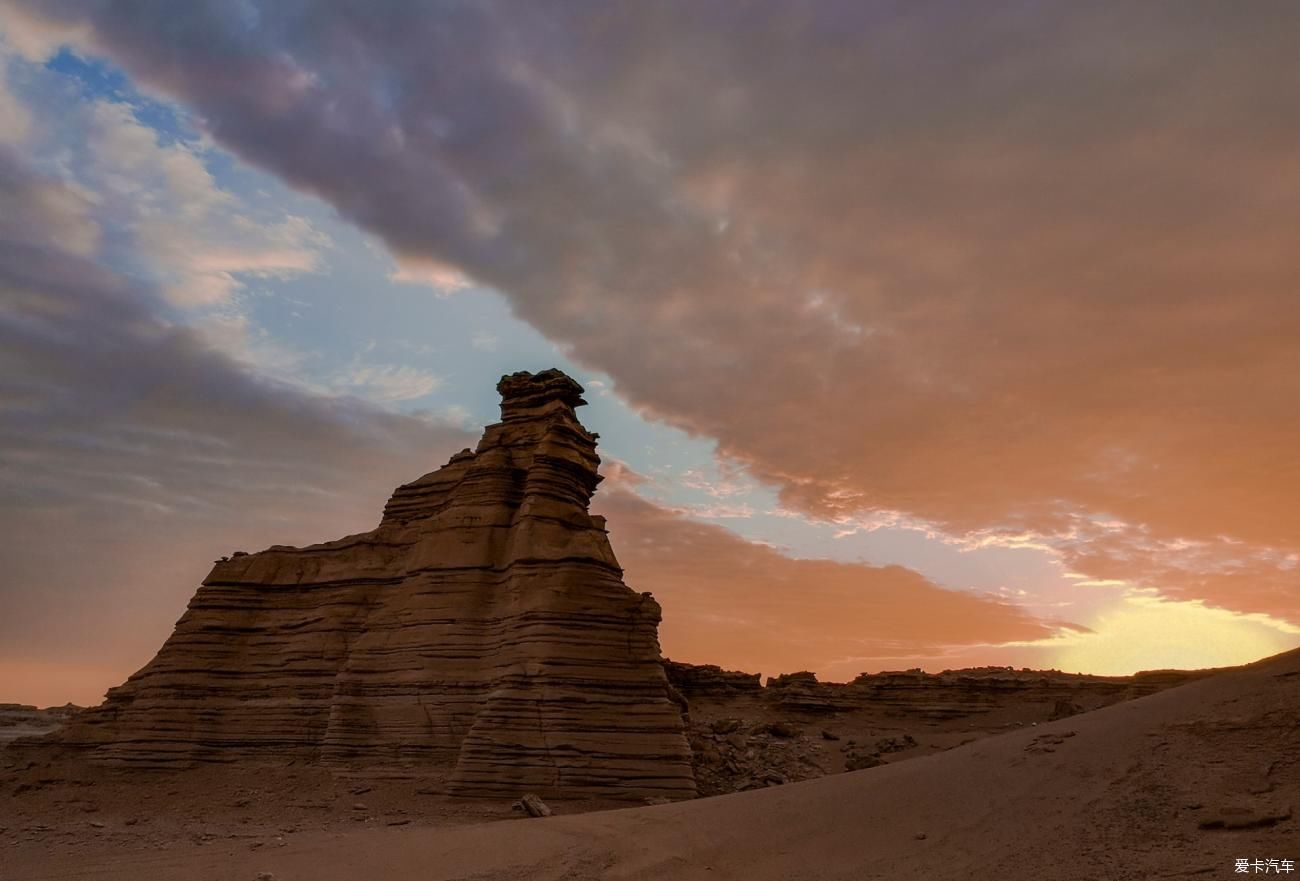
[[482, 628]]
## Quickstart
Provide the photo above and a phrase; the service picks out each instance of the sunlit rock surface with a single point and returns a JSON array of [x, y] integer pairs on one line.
[[483, 627]]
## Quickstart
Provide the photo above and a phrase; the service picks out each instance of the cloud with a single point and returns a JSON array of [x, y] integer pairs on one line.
[[388, 382], [1005, 270], [39, 209], [1235, 574], [196, 238], [1000, 269], [751, 607], [15, 120], [145, 200], [431, 273], [36, 39], [719, 488], [134, 453]]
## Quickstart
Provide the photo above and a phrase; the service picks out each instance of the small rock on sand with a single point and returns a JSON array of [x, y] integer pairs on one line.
[[532, 805]]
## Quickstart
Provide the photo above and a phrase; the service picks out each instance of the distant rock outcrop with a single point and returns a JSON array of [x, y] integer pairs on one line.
[[958, 694], [483, 628], [746, 735], [697, 680], [22, 720], [915, 694]]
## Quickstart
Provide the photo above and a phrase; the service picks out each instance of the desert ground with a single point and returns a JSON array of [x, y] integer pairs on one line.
[[1179, 784]]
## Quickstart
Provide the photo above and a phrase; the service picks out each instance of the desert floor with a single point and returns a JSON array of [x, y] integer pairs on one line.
[[1181, 784]]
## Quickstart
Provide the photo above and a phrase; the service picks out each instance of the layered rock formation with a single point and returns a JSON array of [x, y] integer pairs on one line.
[[961, 694], [482, 628], [745, 734], [916, 695], [694, 681]]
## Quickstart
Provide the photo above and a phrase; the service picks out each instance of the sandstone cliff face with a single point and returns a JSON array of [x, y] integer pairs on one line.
[[482, 628]]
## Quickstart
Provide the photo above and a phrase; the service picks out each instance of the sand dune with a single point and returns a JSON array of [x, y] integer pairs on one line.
[[1178, 784]]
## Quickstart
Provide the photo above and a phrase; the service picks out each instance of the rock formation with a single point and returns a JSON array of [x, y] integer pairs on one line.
[[22, 720], [746, 735], [482, 628], [710, 681], [960, 694]]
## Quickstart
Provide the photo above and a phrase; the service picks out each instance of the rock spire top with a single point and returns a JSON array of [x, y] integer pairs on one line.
[[525, 394]]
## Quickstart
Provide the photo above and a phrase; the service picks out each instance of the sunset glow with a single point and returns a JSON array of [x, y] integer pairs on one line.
[[916, 335], [1146, 633]]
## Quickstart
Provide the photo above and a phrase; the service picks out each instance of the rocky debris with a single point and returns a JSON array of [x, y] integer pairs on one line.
[[895, 744], [735, 761], [856, 760], [531, 805], [784, 730], [726, 726], [482, 628]]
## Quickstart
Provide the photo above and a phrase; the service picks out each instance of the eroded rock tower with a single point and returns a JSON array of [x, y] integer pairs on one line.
[[483, 628]]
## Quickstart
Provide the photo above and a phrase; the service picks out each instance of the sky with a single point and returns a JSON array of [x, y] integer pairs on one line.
[[921, 334]]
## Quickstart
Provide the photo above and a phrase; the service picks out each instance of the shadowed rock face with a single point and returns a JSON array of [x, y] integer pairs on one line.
[[482, 628]]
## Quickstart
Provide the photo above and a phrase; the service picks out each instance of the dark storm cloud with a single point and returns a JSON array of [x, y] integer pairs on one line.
[[1007, 267]]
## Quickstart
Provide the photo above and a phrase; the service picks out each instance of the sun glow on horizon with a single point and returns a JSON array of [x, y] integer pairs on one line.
[[1146, 632]]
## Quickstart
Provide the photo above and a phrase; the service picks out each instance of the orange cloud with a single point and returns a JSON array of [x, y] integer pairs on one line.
[[747, 606], [1012, 269]]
